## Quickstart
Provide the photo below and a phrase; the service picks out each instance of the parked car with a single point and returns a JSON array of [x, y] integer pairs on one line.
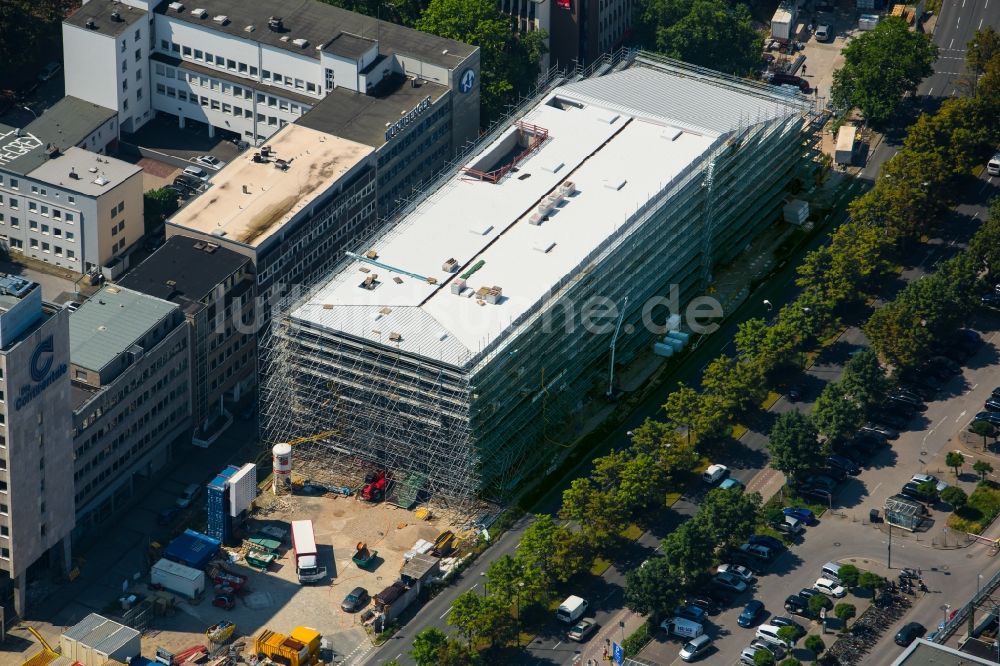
[[829, 588], [188, 495], [749, 655], [751, 612], [823, 33], [582, 630], [738, 570], [797, 605], [803, 514], [846, 464], [990, 417], [990, 300], [909, 633], [224, 601], [808, 593], [166, 516], [732, 483], [879, 431], [818, 494], [906, 403], [196, 172], [693, 613], [50, 70], [728, 581], [780, 621], [769, 633], [211, 161], [355, 600], [714, 474], [777, 651], [886, 416], [766, 540], [911, 491], [993, 166], [790, 526], [695, 648], [942, 365], [924, 478], [992, 405], [704, 602]]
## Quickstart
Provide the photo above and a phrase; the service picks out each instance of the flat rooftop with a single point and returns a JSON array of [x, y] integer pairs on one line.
[[617, 157], [925, 653], [249, 202], [109, 323], [363, 118], [96, 173], [319, 24], [100, 12], [68, 122]]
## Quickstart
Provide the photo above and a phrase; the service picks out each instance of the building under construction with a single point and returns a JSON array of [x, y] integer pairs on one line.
[[458, 349]]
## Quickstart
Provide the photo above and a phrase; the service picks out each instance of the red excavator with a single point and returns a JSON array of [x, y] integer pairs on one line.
[[374, 488]]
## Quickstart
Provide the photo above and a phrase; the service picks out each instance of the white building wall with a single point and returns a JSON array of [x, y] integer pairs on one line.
[[88, 55], [58, 217], [206, 40], [293, 69], [345, 71]]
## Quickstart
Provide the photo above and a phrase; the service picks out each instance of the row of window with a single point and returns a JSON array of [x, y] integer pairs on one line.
[[221, 62], [34, 207], [216, 105], [34, 225], [18, 244]]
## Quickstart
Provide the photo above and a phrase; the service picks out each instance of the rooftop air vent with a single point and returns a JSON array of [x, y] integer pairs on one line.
[[176, 6], [90, 24], [614, 183], [370, 282], [171, 283], [199, 13], [219, 232], [283, 38], [480, 228], [554, 166], [544, 246], [301, 43], [450, 266], [249, 28], [211, 247], [221, 19], [199, 245], [395, 337], [275, 23], [101, 180], [116, 17], [73, 174], [671, 133]]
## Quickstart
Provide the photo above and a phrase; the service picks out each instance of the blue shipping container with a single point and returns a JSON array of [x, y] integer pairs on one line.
[[218, 518], [192, 549]]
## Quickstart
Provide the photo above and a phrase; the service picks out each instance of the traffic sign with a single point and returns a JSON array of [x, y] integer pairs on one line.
[[618, 653]]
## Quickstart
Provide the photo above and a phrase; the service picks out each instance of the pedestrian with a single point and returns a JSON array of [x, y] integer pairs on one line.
[[803, 68]]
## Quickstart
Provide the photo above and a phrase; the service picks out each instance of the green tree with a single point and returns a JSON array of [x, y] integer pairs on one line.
[[790, 661], [690, 550], [984, 430], [928, 490], [982, 48], [955, 496], [508, 66], [845, 612], [815, 644], [788, 634], [955, 460], [848, 575], [983, 469], [482, 618], [662, 441], [739, 384], [653, 588], [819, 602], [793, 445], [881, 67], [836, 415], [728, 516], [551, 549], [870, 581], [512, 582], [763, 658], [158, 205], [596, 510], [864, 380], [684, 409], [426, 646], [456, 653], [402, 12]]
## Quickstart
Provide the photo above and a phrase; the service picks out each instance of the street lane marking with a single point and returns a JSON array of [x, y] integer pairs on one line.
[[959, 418], [951, 43], [958, 22], [443, 616], [557, 645], [980, 24]]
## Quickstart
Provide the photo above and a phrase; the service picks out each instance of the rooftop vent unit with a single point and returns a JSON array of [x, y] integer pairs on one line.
[[480, 228], [568, 188], [199, 245], [73, 174], [397, 280], [301, 43], [370, 282], [249, 28], [544, 246], [608, 117], [116, 17], [91, 25], [395, 337], [92, 169], [176, 6], [283, 38], [371, 254], [491, 295], [450, 266], [614, 183], [536, 219], [457, 286], [101, 180], [199, 13], [553, 167], [211, 247], [671, 134], [12, 285], [275, 23], [441, 335], [171, 283], [219, 232], [221, 19]]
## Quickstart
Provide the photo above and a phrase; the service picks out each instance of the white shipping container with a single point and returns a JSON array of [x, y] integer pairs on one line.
[[242, 489], [178, 578], [95, 640]]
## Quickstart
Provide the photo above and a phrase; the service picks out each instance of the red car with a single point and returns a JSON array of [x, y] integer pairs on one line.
[[224, 601]]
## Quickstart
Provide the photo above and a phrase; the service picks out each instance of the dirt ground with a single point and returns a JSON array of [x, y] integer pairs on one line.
[[275, 599]]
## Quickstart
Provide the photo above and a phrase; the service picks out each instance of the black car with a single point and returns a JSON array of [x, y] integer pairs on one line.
[[993, 405], [717, 594], [766, 540], [808, 593], [912, 491], [845, 464], [990, 417], [797, 605], [921, 390], [908, 401], [355, 600], [991, 300], [704, 602], [909, 633], [890, 418], [943, 367], [188, 181], [796, 392], [853, 453], [818, 494], [780, 621], [923, 381], [996, 393]]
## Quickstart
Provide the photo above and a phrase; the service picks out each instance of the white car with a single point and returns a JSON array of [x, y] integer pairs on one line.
[[210, 161], [739, 571], [714, 473], [829, 587], [924, 478], [993, 166], [730, 582]]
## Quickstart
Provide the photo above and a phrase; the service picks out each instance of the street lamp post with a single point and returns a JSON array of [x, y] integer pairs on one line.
[[517, 596], [889, 561]]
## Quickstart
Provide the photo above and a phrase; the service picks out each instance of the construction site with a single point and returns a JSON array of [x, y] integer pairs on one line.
[[455, 351]]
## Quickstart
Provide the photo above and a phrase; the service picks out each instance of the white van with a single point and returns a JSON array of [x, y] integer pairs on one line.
[[714, 473], [695, 647], [831, 570], [678, 626], [769, 633], [196, 172], [571, 609], [993, 166]]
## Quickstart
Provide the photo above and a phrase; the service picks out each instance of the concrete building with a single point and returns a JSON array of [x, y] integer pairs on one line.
[[923, 652], [131, 396], [289, 211], [251, 67], [61, 200], [36, 458], [579, 31], [455, 348], [215, 289]]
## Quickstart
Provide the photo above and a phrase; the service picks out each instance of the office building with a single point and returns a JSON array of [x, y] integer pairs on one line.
[[250, 68], [289, 209], [63, 202], [36, 456], [923, 652], [130, 368], [215, 289], [579, 31], [454, 349]]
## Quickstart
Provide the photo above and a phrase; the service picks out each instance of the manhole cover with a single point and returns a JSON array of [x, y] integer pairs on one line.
[[968, 556], [944, 567], [923, 453], [836, 544]]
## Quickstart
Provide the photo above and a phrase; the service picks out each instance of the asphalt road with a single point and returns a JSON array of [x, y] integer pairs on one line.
[[551, 648]]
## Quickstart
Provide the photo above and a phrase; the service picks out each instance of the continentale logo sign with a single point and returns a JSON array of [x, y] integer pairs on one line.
[[42, 372]]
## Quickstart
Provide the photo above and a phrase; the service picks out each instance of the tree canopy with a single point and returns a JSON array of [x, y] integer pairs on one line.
[[881, 66], [793, 445], [835, 414]]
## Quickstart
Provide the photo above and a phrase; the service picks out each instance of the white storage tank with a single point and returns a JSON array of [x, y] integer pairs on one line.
[[281, 464], [178, 578], [95, 640]]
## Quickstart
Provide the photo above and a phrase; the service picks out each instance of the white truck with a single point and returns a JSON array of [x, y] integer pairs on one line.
[[571, 609], [783, 22], [306, 557]]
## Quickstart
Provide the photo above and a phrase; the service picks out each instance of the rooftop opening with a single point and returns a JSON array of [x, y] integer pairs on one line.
[[522, 140]]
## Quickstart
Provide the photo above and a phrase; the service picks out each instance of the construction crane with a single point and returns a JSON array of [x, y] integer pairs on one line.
[[43, 658]]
